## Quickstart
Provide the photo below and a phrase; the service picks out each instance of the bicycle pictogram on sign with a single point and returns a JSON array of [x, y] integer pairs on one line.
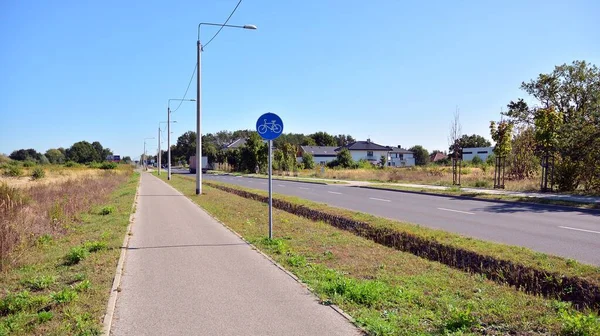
[[269, 126]]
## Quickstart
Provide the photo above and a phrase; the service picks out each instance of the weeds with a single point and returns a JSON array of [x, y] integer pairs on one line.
[[13, 171], [94, 246], [44, 316], [75, 255], [64, 296], [107, 210], [38, 173], [39, 283]]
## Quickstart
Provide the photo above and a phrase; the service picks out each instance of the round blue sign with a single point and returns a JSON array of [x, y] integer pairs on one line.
[[269, 126]]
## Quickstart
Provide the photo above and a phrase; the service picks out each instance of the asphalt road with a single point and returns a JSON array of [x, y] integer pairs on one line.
[[562, 231], [186, 274]]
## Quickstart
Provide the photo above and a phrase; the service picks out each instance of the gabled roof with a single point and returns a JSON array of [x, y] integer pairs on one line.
[[320, 150], [236, 144], [437, 157], [364, 145]]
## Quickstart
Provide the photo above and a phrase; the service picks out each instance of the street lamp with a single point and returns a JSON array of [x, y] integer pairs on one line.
[[159, 152], [199, 102], [169, 134], [144, 161]]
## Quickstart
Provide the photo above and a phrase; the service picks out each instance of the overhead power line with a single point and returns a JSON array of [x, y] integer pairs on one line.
[[218, 31], [187, 89]]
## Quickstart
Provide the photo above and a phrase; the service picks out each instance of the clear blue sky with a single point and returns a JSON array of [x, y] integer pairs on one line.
[[392, 70]]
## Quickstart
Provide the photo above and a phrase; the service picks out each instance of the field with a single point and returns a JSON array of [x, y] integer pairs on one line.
[[60, 238], [389, 292], [479, 177]]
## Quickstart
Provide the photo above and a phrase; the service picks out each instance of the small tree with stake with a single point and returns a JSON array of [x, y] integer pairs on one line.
[[502, 135], [547, 121]]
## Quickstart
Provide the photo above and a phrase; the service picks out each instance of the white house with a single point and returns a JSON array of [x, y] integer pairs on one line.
[[366, 150], [400, 157], [483, 152], [321, 154]]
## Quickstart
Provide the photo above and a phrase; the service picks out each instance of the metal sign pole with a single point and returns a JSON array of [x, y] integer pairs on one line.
[[270, 192]]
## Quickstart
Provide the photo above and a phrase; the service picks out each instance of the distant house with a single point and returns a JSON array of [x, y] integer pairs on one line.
[[236, 144], [435, 157], [483, 152], [366, 150], [400, 157], [321, 154]]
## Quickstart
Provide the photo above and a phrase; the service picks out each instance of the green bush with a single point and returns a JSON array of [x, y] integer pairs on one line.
[[71, 164], [491, 160], [482, 184], [108, 165], [76, 254], [38, 173], [107, 210], [476, 160], [95, 246], [28, 164], [44, 316], [94, 165], [64, 296], [13, 171]]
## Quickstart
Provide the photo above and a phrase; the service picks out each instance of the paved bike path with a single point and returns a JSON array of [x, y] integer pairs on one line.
[[185, 274]]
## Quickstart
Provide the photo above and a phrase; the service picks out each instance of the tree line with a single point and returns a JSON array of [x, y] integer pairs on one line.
[[80, 152]]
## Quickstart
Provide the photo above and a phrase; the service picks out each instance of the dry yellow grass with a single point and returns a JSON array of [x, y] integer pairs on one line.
[[54, 174], [470, 177]]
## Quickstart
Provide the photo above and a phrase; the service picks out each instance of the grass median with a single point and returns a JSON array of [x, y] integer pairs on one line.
[[390, 292], [61, 281]]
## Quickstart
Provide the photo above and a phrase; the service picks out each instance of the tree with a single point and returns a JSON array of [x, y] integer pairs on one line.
[[343, 139], [471, 141], [308, 160], [185, 146], [382, 161], [344, 158], [210, 151], [454, 136], [126, 160], [249, 153], [55, 156], [502, 135], [522, 161], [323, 139], [420, 154], [308, 141], [82, 152], [573, 91], [24, 155], [98, 157]]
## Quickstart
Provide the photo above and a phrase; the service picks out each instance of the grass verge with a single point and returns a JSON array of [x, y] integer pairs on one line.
[[484, 196], [390, 292], [62, 283]]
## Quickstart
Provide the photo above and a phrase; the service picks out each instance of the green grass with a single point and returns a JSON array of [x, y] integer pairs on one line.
[[386, 291], [456, 191], [61, 285]]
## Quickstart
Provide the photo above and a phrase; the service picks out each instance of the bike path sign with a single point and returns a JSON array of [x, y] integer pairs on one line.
[[269, 126]]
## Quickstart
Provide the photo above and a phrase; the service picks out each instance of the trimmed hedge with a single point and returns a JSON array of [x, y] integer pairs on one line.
[[582, 293]]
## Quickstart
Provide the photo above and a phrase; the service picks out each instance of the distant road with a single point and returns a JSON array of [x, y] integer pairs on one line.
[[562, 231]]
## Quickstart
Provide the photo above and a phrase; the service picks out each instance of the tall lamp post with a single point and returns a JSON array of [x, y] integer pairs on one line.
[[199, 102], [144, 161], [169, 134], [159, 151]]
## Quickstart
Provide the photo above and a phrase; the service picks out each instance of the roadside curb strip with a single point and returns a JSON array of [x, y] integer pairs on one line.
[[276, 264], [287, 180], [574, 207], [112, 299]]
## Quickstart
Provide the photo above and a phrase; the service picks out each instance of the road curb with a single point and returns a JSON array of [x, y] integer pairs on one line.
[[275, 263], [286, 180], [112, 299], [574, 207]]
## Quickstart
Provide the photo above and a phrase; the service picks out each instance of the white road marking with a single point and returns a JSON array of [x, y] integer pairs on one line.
[[281, 185], [576, 229], [334, 192], [463, 212], [304, 188], [379, 199]]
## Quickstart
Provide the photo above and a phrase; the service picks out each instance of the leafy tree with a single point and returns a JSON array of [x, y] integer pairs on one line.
[[420, 154], [55, 156], [344, 158], [308, 141], [470, 141], [126, 159], [323, 139], [502, 135], [249, 153], [24, 155], [82, 152], [522, 162], [210, 151], [234, 158], [308, 160], [185, 146], [383, 161], [343, 139], [42, 159]]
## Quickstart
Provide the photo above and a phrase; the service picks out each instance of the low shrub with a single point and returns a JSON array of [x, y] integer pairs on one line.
[[107, 210], [38, 173], [482, 184], [44, 316], [64, 296], [28, 164], [76, 254], [13, 171], [71, 164], [108, 165], [95, 246]]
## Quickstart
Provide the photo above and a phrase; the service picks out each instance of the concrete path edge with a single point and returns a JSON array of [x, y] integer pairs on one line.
[[275, 263], [112, 299]]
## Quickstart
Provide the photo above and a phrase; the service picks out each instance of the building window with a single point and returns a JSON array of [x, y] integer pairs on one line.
[[369, 153], [482, 152], [467, 152]]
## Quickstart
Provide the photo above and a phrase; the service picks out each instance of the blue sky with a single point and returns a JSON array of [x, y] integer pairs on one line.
[[393, 71]]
